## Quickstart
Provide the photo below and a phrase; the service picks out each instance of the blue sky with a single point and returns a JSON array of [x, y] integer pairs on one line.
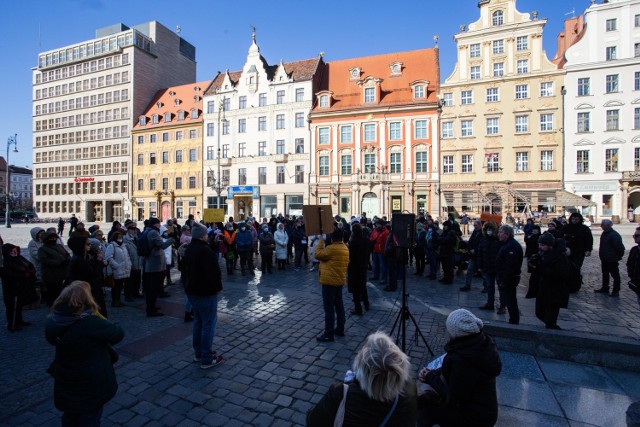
[[221, 32]]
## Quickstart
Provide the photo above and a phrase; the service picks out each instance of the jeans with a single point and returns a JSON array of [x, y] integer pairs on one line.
[[432, 259], [332, 300], [611, 268], [379, 267], [91, 419], [246, 261], [205, 317], [471, 270], [490, 283]]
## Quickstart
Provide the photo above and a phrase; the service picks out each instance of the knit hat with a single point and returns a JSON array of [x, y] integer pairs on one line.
[[462, 322], [153, 221], [547, 239], [198, 231]]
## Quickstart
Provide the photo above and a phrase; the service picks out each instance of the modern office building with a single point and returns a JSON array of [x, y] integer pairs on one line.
[[602, 107], [86, 99], [374, 133]]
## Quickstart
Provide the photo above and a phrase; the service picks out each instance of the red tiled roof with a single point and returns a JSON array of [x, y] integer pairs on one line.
[[164, 101], [417, 65]]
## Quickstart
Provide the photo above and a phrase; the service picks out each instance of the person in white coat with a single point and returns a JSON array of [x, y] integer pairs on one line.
[[282, 239], [168, 255], [118, 265]]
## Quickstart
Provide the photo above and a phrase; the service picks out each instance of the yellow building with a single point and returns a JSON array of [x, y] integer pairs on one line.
[[501, 125], [167, 155]]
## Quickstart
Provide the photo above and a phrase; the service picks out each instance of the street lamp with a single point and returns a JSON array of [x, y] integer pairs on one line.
[[12, 140], [221, 119]]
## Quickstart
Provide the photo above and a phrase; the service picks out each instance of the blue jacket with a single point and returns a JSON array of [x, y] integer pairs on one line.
[[611, 246], [244, 241]]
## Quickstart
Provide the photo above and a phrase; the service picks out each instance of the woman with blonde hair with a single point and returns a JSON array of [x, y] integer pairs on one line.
[[84, 378], [379, 391]]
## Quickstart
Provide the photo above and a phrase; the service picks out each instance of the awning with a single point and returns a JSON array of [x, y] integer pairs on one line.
[[566, 199]]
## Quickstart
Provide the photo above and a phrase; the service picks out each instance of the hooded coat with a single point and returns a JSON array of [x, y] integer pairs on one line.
[[32, 250], [488, 249], [83, 267], [578, 236], [282, 239], [118, 258], [16, 271], [54, 260]]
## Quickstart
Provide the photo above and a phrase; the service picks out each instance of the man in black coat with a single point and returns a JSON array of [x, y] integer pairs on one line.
[[203, 283], [54, 260], [611, 252], [508, 267], [446, 251], [579, 239], [472, 249]]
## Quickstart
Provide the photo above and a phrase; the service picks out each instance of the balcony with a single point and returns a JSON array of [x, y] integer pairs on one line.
[[280, 158], [225, 161]]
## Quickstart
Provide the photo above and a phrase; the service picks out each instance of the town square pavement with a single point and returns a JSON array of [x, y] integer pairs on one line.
[[275, 370]]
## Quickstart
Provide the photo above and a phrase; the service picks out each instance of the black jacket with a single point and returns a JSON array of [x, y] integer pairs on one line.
[[551, 273], [54, 260], [358, 261], [509, 263], [83, 267], [201, 271], [611, 246], [474, 243], [633, 265], [487, 252], [578, 237]]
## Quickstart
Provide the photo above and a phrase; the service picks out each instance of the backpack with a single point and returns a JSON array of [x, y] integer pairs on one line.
[[142, 245], [575, 277]]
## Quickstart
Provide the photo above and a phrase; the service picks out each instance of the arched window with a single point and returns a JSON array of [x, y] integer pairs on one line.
[[497, 18]]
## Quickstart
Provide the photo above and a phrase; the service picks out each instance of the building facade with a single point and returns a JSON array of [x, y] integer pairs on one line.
[[501, 122], [21, 188], [374, 133], [167, 155], [257, 136], [86, 99], [602, 106]]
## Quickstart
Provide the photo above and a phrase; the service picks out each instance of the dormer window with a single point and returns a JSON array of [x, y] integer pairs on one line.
[[155, 119], [420, 89], [176, 102], [159, 105], [180, 115], [497, 18], [369, 94], [143, 120], [171, 93], [196, 89], [167, 117], [194, 113], [196, 99], [354, 72], [324, 101], [418, 92], [396, 68]]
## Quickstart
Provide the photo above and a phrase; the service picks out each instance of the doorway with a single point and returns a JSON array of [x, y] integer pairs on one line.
[[370, 205]]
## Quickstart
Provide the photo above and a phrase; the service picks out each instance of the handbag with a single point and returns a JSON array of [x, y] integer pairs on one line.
[[28, 293], [339, 419]]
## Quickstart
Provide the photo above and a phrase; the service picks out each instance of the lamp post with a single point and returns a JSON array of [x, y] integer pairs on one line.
[[12, 140], [221, 120]]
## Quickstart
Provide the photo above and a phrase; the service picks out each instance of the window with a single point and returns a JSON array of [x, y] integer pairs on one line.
[[345, 164], [242, 149], [498, 46], [474, 50], [152, 184], [369, 163], [165, 183], [280, 146], [211, 153], [323, 166], [140, 139], [345, 134], [636, 21], [395, 162], [210, 129], [192, 134], [613, 119], [636, 50], [636, 118], [369, 94], [225, 151], [242, 102], [225, 127], [262, 175], [498, 69], [165, 136], [467, 163], [242, 176], [140, 159], [262, 100], [546, 122], [193, 155], [280, 175], [395, 131], [546, 89], [612, 83], [612, 24], [492, 95], [522, 161], [522, 124], [262, 123], [420, 131], [178, 156], [584, 86], [179, 135], [418, 92], [522, 91], [447, 164], [299, 171], [466, 128], [522, 43], [178, 183], [497, 18], [636, 81], [369, 132], [324, 101], [493, 162], [140, 184], [262, 148], [280, 97], [421, 162], [299, 148], [143, 120], [242, 125], [493, 126], [523, 66], [546, 160], [323, 135], [299, 120], [475, 72], [582, 161], [636, 158], [280, 121], [447, 99], [611, 53], [584, 124], [165, 157], [611, 160], [299, 94], [152, 158], [466, 97], [447, 129]]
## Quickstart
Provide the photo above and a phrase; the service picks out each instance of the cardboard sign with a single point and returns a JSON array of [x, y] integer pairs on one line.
[[318, 219], [213, 215]]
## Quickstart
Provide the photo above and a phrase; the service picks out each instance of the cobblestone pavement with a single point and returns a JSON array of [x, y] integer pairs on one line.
[[275, 370]]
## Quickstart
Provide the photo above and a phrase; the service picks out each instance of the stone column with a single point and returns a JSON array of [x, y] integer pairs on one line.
[[624, 202]]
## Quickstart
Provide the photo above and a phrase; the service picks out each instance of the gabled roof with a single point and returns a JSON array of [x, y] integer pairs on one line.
[[395, 89], [297, 70], [164, 101]]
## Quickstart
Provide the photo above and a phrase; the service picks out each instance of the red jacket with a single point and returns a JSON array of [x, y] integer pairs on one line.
[[379, 238]]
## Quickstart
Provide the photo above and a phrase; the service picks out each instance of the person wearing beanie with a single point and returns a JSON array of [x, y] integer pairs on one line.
[[198, 231], [549, 280], [470, 367], [446, 251], [155, 266]]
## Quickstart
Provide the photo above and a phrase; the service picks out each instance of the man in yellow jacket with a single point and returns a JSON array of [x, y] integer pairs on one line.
[[334, 260]]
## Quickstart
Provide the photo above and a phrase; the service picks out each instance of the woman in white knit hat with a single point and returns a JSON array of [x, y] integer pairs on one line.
[[466, 382]]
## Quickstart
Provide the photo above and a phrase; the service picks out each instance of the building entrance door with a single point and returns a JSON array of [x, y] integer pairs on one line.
[[370, 205], [166, 211]]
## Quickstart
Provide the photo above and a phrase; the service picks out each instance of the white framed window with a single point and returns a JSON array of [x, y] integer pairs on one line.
[[324, 101], [447, 130], [584, 122], [345, 164], [498, 47], [242, 125], [546, 160], [262, 123], [418, 92], [613, 119], [323, 136], [323, 166], [523, 66], [611, 83], [546, 122], [420, 130], [447, 164], [395, 131], [636, 51], [466, 97], [498, 69], [475, 72], [346, 134], [636, 118], [280, 97], [582, 161], [493, 126], [584, 86], [466, 128], [522, 43], [497, 18], [242, 102], [280, 121], [522, 91], [421, 162], [546, 89], [493, 94], [467, 163], [612, 24], [522, 124], [474, 50], [369, 94], [447, 99], [299, 94], [611, 53], [493, 162], [369, 163], [522, 161], [370, 132], [395, 162], [611, 160], [636, 21], [299, 120], [262, 101]]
